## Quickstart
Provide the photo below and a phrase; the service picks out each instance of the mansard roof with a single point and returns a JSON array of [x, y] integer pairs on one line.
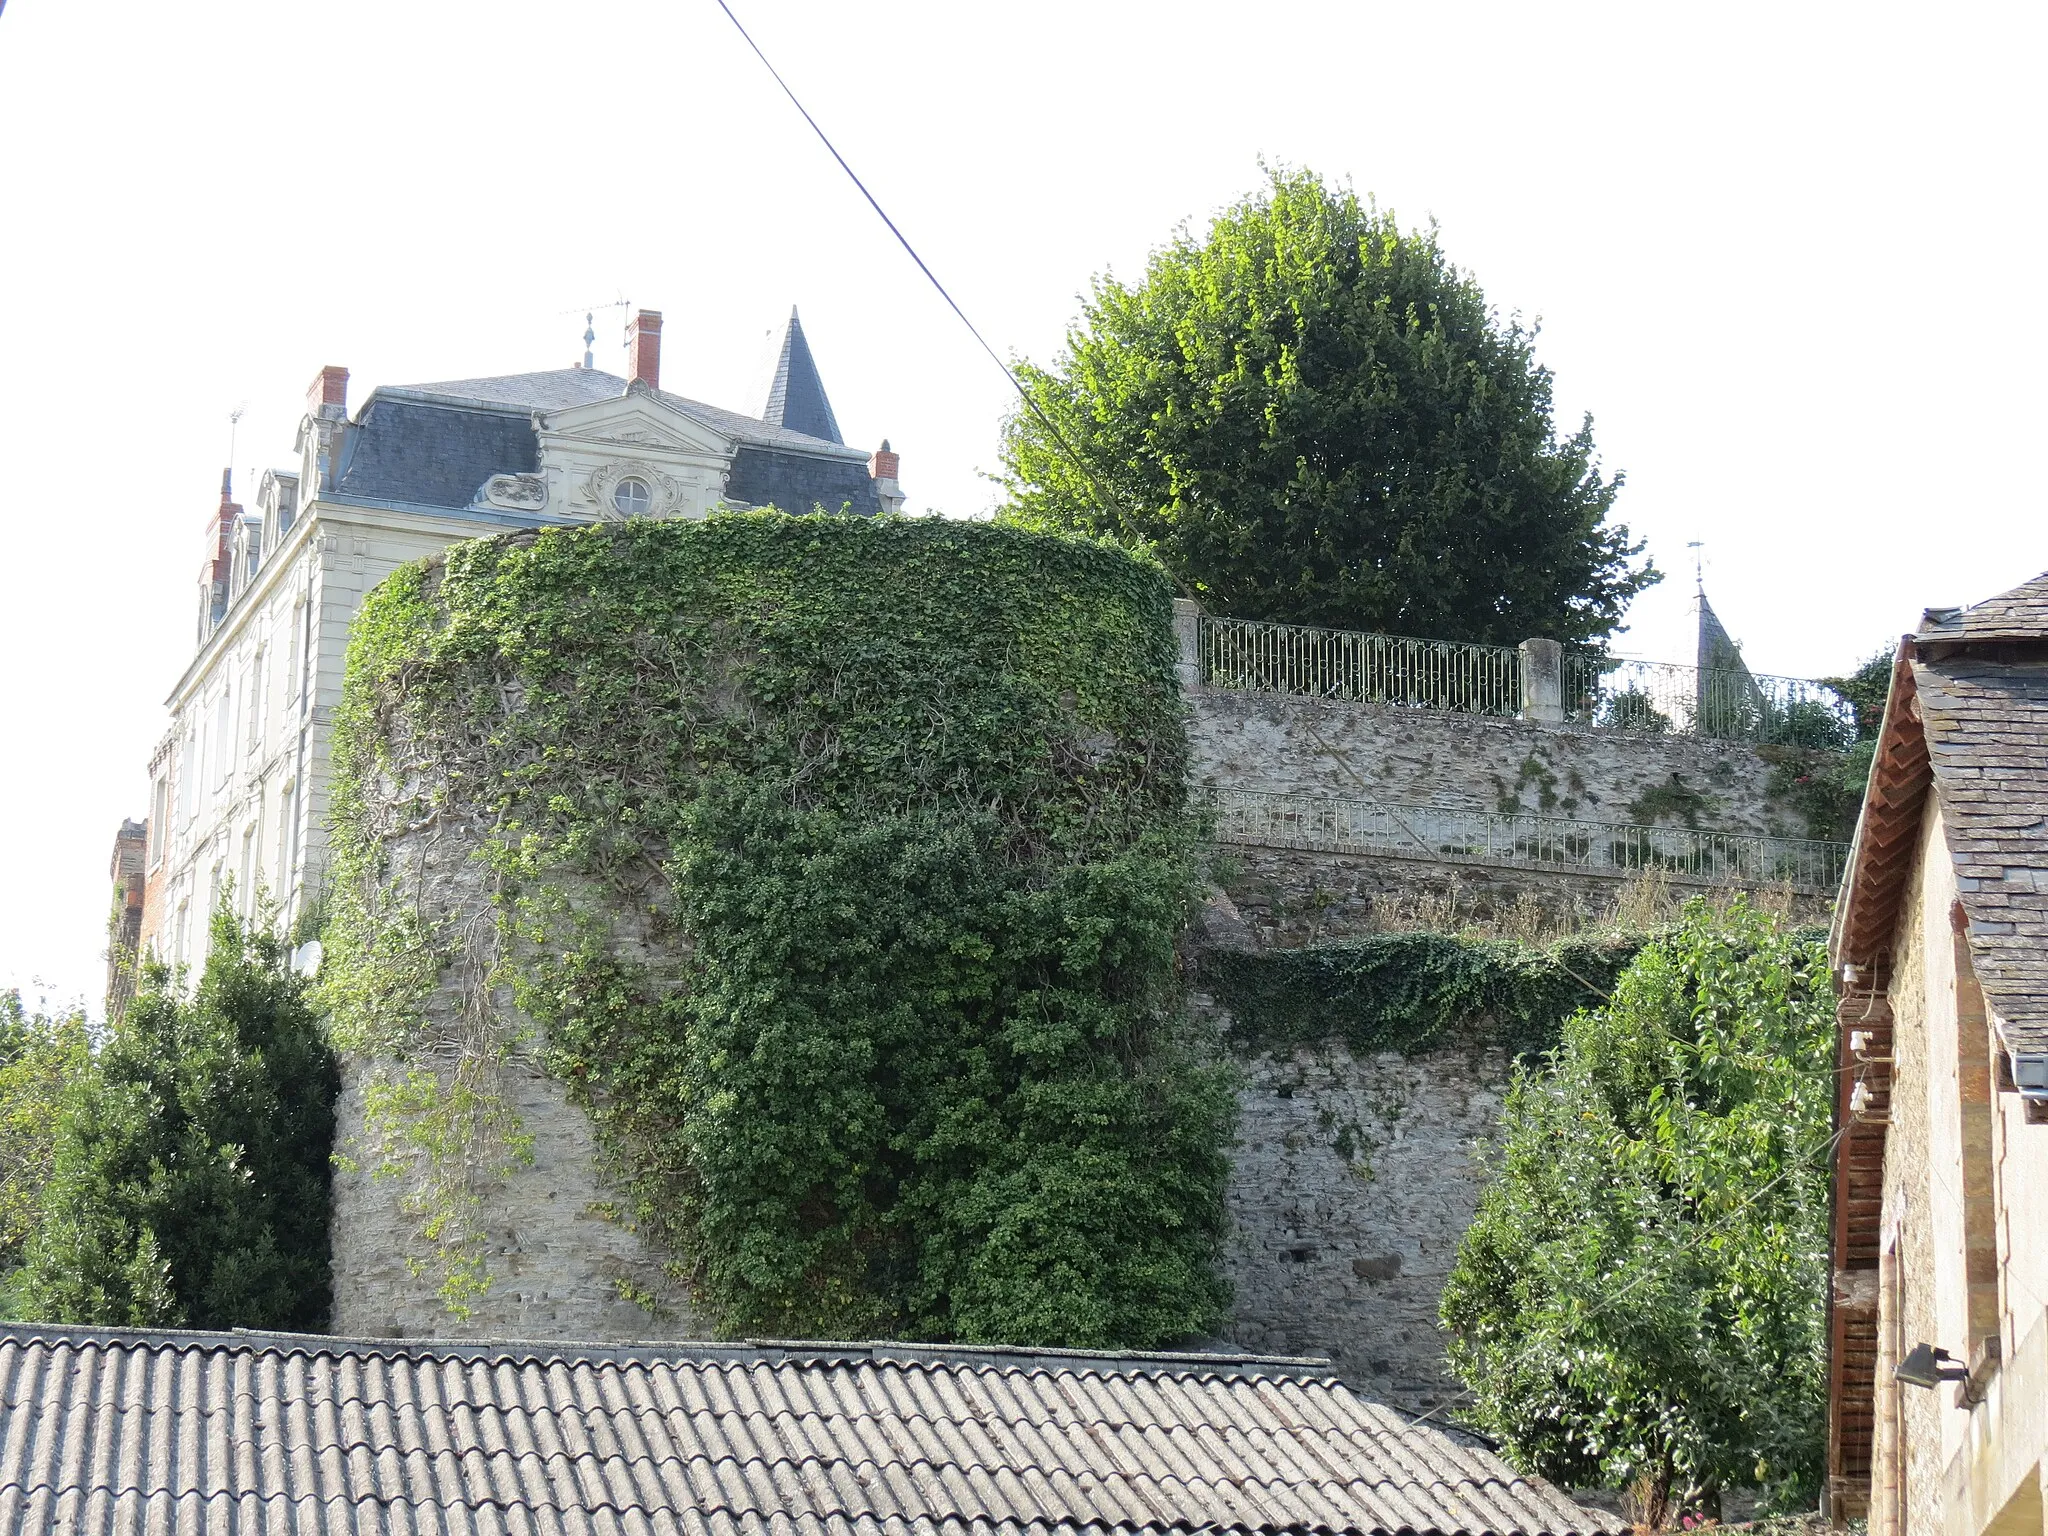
[[796, 399], [559, 388], [434, 445], [119, 1431], [431, 454]]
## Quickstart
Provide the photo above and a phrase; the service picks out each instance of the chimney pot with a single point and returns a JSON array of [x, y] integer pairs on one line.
[[643, 345], [885, 463], [328, 394]]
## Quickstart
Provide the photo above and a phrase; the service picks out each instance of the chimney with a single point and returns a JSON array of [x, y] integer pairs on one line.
[[883, 468], [643, 346], [327, 396]]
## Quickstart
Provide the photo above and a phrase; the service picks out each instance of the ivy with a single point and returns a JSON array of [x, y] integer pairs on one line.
[[838, 865], [1408, 992]]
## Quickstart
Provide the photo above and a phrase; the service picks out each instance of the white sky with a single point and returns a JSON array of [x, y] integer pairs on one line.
[[1788, 254]]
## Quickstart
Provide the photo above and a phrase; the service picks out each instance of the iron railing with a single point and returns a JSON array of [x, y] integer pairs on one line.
[[1731, 704], [1359, 667], [1643, 697], [1526, 841]]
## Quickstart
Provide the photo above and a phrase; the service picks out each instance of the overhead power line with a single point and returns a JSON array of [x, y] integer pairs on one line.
[[910, 250]]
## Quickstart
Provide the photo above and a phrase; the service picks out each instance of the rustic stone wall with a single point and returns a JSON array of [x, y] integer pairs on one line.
[[1353, 1183], [1354, 1179], [1281, 744], [559, 1265]]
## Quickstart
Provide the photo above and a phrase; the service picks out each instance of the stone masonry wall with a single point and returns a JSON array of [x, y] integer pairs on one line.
[[559, 1266], [1281, 744], [1353, 1183]]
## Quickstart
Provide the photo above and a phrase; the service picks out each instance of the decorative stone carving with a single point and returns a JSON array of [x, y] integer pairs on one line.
[[601, 482], [516, 493]]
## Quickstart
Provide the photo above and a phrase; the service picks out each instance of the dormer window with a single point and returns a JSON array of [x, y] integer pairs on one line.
[[631, 497]]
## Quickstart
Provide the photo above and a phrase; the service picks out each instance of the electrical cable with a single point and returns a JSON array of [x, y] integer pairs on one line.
[[909, 249]]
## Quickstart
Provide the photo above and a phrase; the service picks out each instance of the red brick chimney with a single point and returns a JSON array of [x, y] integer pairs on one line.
[[328, 394], [883, 467], [643, 346]]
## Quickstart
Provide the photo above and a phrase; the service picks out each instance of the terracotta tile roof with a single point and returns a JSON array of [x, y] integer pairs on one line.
[[104, 1432]]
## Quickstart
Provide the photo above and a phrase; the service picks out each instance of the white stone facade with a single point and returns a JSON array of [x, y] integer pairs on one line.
[[239, 784]]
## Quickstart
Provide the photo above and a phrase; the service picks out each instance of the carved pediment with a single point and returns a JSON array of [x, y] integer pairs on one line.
[[642, 419]]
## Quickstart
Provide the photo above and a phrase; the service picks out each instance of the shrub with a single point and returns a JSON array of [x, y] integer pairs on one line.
[[1640, 1298]]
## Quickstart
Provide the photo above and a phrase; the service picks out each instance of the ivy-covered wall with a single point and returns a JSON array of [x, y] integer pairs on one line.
[[1372, 1072], [834, 869]]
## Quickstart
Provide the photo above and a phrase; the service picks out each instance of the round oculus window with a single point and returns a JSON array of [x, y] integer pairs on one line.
[[631, 497]]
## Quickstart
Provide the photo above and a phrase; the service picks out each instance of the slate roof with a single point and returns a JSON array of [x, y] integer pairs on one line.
[[796, 398], [2021, 614], [433, 455], [1985, 715], [105, 1432], [559, 388]]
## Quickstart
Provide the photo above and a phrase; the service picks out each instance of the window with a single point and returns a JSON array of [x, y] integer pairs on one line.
[[631, 497], [245, 885], [159, 817], [186, 770], [291, 655], [218, 758], [252, 703], [285, 833]]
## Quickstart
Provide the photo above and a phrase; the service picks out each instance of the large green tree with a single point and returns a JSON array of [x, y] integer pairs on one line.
[[1313, 416], [41, 1055], [1640, 1299], [189, 1173]]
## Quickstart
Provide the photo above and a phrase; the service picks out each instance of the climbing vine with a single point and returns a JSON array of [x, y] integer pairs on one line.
[[838, 865], [1408, 991]]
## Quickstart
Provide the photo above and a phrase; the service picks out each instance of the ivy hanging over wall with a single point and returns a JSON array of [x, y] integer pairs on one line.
[[838, 865], [1410, 992]]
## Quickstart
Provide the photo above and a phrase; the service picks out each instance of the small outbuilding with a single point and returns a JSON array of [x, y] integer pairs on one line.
[[117, 1432]]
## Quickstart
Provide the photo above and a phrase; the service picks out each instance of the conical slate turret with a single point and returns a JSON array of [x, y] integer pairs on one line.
[[796, 399]]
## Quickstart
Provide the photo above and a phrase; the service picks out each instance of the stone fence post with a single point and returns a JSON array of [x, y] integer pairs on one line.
[[1543, 681], [1187, 634]]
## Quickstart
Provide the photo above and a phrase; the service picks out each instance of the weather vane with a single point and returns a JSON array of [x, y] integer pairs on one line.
[[590, 326], [1699, 566]]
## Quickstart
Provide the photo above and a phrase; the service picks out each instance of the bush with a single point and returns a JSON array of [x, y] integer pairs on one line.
[[1640, 1299], [189, 1165]]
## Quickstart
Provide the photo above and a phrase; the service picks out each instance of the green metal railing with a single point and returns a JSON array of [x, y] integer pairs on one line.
[[1649, 698], [1360, 667], [1730, 704], [1526, 841]]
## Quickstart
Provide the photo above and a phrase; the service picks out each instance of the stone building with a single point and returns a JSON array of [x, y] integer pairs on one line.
[[124, 923], [238, 785], [1938, 1337]]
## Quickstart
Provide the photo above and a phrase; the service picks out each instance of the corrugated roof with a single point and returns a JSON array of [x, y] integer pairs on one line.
[[106, 1431]]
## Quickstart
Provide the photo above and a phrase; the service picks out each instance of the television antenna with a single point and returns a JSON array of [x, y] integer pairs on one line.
[[589, 321]]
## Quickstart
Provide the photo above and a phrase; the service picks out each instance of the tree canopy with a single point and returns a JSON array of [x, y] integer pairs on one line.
[[188, 1161], [1640, 1299], [1313, 416]]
